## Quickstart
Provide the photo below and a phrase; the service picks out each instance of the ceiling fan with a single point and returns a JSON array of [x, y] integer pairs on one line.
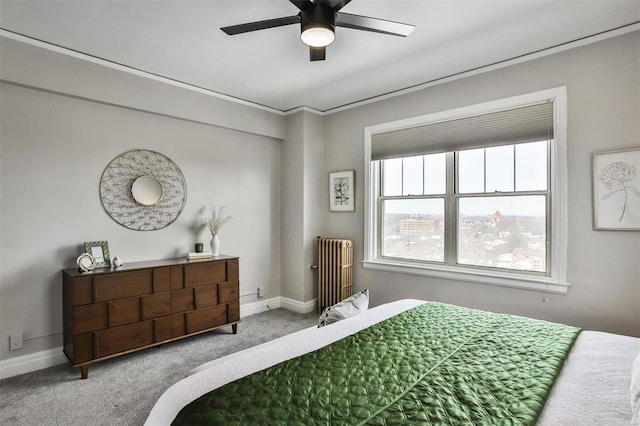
[[318, 20]]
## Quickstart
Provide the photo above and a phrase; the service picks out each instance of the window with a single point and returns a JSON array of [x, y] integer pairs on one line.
[[469, 194]]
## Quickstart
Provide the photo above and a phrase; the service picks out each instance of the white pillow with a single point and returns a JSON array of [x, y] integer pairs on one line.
[[346, 308], [635, 391]]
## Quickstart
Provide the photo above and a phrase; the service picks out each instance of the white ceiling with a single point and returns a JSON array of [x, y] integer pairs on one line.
[[181, 40]]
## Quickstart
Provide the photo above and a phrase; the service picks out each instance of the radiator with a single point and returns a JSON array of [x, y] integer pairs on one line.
[[335, 270]]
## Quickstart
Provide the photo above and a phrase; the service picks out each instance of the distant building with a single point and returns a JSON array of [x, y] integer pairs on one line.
[[415, 225], [534, 259], [495, 219]]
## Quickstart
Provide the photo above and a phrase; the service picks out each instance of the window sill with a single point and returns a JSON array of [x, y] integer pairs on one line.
[[542, 284]]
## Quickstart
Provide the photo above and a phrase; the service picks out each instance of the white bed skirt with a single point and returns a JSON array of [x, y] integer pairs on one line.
[[593, 387]]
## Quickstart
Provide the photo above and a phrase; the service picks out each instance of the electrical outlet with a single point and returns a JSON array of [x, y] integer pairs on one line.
[[260, 291], [15, 341]]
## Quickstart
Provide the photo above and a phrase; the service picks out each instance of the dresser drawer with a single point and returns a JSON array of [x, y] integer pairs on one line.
[[156, 305], [182, 300], [233, 270], [82, 291], [124, 311], [202, 319], [123, 338], [229, 291], [177, 325], [177, 277], [206, 295], [161, 279], [83, 347], [197, 274], [233, 309], [162, 329], [89, 318], [122, 285]]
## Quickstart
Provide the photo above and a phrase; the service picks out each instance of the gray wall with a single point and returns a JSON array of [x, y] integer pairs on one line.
[[36, 67], [55, 147], [64, 119], [302, 175], [314, 203], [604, 114]]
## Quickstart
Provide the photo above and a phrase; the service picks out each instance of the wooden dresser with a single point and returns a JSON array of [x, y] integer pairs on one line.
[[112, 312]]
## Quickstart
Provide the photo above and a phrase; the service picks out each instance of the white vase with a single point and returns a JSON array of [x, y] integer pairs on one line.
[[215, 245]]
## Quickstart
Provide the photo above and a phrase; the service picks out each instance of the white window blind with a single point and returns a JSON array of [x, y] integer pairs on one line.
[[517, 125]]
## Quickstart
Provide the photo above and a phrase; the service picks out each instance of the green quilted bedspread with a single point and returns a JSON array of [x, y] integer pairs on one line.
[[436, 364]]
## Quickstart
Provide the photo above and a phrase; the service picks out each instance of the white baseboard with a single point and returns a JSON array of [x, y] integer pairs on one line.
[[248, 309], [31, 362], [50, 357], [297, 306]]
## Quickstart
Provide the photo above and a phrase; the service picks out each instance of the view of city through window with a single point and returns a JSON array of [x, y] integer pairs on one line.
[[501, 219], [491, 240]]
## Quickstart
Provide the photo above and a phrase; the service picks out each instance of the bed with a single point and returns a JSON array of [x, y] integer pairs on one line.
[[570, 378]]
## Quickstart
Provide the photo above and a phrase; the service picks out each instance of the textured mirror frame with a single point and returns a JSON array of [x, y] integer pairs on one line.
[[118, 179]]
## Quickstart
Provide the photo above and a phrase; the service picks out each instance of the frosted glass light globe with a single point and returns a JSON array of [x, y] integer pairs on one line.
[[317, 36]]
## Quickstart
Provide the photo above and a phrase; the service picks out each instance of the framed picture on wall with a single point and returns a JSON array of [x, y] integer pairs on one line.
[[100, 252], [342, 191], [616, 190]]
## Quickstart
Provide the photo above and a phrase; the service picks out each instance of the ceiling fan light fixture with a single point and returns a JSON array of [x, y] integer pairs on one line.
[[317, 25], [317, 36], [318, 20]]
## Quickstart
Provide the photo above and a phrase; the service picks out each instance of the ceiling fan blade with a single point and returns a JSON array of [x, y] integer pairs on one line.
[[261, 25], [301, 4], [317, 53], [335, 4], [375, 25]]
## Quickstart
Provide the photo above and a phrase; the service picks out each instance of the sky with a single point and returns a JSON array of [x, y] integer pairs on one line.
[[520, 167]]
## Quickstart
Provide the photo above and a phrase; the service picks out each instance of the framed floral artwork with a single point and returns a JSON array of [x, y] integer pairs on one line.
[[616, 190], [341, 191]]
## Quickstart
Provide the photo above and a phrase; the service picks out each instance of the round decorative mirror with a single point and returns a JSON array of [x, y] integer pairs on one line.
[[147, 190], [143, 190]]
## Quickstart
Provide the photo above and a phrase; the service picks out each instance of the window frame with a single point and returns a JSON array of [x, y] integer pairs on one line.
[[556, 281]]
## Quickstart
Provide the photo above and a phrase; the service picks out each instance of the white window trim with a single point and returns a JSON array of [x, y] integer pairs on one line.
[[557, 282]]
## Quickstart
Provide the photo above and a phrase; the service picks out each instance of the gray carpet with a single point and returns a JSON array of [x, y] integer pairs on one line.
[[122, 391]]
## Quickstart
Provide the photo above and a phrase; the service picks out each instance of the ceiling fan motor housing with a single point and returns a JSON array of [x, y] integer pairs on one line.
[[320, 15]]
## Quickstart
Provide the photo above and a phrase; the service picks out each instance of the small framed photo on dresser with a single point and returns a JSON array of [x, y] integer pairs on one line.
[[100, 252]]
